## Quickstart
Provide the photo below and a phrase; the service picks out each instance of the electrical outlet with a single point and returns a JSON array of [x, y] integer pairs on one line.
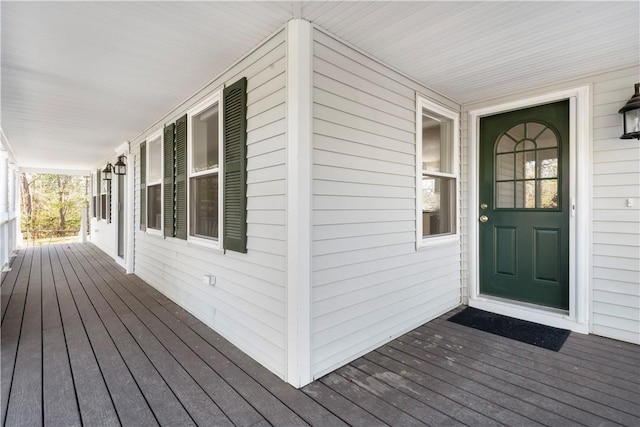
[[209, 280]]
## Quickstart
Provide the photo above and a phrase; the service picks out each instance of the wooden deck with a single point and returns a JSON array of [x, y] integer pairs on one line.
[[85, 344]]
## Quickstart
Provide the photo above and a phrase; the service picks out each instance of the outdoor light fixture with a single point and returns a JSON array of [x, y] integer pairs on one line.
[[106, 172], [120, 168], [631, 116]]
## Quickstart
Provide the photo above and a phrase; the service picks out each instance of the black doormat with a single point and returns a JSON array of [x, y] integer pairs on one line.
[[516, 329]]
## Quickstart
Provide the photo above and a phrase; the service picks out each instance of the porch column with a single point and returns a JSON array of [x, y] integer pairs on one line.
[[299, 166]]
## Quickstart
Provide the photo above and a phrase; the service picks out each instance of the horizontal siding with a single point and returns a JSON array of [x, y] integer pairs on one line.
[[369, 282], [247, 303], [616, 237]]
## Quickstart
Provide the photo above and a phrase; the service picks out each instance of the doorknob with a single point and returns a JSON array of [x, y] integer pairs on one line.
[[484, 218]]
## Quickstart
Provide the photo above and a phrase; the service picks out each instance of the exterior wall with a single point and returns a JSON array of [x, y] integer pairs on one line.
[[9, 203], [616, 226], [247, 303], [369, 284], [103, 232], [614, 234]]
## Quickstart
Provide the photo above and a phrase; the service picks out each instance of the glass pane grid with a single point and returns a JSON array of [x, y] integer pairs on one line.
[[526, 168]]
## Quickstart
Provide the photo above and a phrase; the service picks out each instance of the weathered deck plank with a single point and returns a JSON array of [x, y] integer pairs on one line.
[[59, 395], [85, 344], [94, 401], [11, 326], [25, 403], [9, 279]]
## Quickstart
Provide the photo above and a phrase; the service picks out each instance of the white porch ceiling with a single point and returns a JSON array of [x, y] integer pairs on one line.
[[80, 78]]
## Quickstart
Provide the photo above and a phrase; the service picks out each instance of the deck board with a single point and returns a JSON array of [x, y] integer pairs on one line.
[[85, 344], [59, 398]]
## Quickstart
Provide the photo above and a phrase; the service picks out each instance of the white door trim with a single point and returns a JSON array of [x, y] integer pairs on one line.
[[580, 216]]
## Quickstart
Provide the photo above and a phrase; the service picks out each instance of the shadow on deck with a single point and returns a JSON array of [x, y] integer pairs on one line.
[[85, 344]]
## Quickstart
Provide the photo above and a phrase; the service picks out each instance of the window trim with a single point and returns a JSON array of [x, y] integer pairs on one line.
[[423, 103], [157, 134], [211, 100]]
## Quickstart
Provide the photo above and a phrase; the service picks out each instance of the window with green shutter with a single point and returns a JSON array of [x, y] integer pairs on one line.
[[235, 170], [154, 183], [204, 171]]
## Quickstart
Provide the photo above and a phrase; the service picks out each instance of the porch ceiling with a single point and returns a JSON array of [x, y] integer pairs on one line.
[[79, 78]]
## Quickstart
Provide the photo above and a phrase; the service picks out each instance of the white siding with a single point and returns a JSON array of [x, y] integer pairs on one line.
[[616, 226], [369, 282], [9, 202], [104, 233], [247, 303]]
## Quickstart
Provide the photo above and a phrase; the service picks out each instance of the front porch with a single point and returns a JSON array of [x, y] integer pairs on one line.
[[85, 344]]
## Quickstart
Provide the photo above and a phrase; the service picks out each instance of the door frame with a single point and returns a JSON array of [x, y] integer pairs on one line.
[[579, 217]]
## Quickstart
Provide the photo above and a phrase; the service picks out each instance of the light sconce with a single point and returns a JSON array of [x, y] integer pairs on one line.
[[120, 168], [631, 116], [106, 172]]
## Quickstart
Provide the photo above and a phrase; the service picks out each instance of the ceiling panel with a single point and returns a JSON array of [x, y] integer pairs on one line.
[[79, 78]]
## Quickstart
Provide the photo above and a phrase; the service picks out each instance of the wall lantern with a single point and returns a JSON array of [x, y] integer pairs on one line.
[[120, 168], [631, 116], [106, 172]]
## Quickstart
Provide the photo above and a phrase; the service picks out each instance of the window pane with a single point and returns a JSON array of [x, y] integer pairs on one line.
[[548, 193], [504, 167], [517, 132], [204, 206], [437, 135], [548, 163], [547, 139], [154, 162], [438, 205], [526, 165], [534, 129], [505, 145], [103, 206], [525, 145], [526, 194], [205, 140], [154, 206], [504, 195]]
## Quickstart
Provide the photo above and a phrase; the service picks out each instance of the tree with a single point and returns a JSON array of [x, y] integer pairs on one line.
[[52, 204]]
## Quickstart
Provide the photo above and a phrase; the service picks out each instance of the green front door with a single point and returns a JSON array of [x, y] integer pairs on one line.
[[524, 205]]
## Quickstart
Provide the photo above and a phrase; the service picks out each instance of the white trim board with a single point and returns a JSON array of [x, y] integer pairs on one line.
[[579, 232], [299, 193]]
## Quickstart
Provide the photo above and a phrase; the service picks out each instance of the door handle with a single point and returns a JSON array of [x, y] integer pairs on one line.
[[484, 218]]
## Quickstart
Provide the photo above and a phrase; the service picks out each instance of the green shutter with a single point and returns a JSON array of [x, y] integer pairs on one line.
[[143, 186], [181, 178], [169, 173], [99, 189], [235, 170]]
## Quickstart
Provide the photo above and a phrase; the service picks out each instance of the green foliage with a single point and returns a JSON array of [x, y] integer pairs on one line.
[[52, 204]]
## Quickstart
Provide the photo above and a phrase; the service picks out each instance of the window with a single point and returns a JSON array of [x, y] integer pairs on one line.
[[437, 169], [104, 192], [154, 182], [204, 171], [527, 168]]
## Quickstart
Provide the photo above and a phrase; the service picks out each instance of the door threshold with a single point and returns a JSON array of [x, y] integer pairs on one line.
[[533, 313]]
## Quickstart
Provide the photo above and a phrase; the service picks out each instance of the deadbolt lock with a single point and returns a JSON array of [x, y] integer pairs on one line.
[[484, 218], [483, 206]]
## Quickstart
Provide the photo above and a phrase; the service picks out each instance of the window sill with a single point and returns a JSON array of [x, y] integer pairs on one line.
[[154, 232], [204, 243], [438, 241]]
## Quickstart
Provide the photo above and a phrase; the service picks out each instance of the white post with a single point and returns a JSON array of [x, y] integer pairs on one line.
[[299, 166], [83, 227]]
